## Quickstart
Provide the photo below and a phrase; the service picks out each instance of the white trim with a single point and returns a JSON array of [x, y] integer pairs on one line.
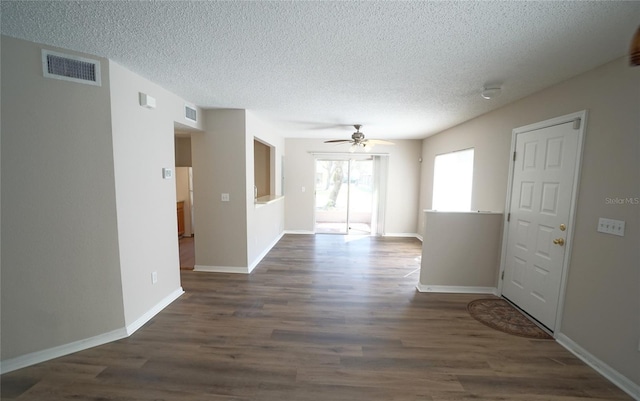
[[418, 236], [456, 289], [296, 232], [605, 370], [582, 115], [403, 235], [86, 343], [221, 269], [347, 155], [41, 356], [265, 252], [166, 301], [242, 269]]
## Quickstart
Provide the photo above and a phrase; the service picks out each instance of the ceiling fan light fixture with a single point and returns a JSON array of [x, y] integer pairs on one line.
[[491, 93]]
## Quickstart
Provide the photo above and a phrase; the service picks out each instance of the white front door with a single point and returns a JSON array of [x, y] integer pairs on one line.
[[543, 185]]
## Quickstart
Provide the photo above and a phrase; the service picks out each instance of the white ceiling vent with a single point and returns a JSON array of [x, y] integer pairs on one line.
[[190, 113], [70, 68]]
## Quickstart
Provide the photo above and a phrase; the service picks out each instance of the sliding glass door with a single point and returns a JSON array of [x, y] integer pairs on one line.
[[344, 192]]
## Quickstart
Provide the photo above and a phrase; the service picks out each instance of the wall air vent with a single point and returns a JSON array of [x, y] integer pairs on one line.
[[190, 113], [70, 68]]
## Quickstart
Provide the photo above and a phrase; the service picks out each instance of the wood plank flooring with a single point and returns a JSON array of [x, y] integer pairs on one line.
[[187, 253], [321, 318]]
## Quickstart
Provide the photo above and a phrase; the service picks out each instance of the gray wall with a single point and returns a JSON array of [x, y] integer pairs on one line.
[[60, 260], [601, 311]]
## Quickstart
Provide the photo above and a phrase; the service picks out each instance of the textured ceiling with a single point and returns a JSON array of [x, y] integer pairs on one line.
[[403, 69]]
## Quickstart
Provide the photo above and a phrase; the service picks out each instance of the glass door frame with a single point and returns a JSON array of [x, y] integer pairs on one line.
[[346, 230]]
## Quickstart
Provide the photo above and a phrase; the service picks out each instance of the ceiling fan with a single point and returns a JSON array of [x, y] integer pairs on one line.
[[357, 140]]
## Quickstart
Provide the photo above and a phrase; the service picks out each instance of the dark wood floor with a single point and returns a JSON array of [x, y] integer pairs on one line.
[[320, 318], [187, 253]]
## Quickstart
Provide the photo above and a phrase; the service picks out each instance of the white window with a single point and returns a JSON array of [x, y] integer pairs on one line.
[[452, 181]]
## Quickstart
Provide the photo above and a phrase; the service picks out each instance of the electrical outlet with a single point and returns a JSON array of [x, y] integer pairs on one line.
[[224, 197], [154, 277], [610, 226]]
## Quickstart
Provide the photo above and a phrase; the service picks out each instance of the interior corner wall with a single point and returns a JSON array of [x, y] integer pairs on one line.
[[403, 183], [60, 263], [143, 144], [219, 166], [601, 307], [265, 223]]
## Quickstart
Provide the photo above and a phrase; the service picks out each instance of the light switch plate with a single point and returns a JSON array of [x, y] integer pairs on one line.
[[611, 226]]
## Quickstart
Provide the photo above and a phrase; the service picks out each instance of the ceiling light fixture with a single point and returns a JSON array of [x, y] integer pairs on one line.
[[491, 93], [634, 51]]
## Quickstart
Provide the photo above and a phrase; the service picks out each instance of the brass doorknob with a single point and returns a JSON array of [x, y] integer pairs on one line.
[[559, 241]]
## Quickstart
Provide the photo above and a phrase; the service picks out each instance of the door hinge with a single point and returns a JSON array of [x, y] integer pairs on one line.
[[502, 275], [576, 123], [508, 216], [514, 156]]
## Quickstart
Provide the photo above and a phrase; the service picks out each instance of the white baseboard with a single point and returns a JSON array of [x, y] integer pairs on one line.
[[41, 356], [402, 235], [605, 370], [305, 232], [239, 269], [221, 269], [133, 327], [265, 252], [456, 289]]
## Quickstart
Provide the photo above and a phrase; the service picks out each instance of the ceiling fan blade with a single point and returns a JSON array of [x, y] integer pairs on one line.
[[338, 140], [379, 142], [312, 125]]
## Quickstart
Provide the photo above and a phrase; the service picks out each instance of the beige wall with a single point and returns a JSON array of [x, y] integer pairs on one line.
[[219, 166], [83, 197], [403, 182], [461, 250], [182, 194], [183, 152], [601, 310], [60, 260], [232, 235], [265, 223], [143, 144]]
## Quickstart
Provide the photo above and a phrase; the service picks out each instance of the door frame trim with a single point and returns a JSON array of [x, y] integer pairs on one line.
[[347, 157], [582, 115]]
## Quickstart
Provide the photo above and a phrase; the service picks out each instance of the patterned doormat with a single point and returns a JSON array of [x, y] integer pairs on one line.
[[500, 315]]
